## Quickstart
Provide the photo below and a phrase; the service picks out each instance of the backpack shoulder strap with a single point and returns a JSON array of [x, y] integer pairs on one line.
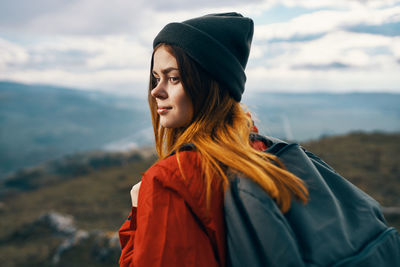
[[185, 147]]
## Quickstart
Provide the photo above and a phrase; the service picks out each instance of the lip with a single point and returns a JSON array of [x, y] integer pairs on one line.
[[161, 110]]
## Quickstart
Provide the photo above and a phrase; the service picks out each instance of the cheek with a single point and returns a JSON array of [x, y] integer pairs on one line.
[[187, 108], [184, 103]]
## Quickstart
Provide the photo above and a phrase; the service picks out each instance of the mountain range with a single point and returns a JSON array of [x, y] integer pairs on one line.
[[43, 122]]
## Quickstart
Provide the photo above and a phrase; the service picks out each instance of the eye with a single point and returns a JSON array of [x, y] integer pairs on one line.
[[156, 80], [174, 79]]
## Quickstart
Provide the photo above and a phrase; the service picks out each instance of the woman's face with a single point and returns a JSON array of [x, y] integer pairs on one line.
[[173, 104]]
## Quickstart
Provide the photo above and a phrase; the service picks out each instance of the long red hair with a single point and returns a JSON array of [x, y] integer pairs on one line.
[[220, 131]]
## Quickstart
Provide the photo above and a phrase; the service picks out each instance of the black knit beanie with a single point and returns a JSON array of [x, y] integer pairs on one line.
[[220, 43]]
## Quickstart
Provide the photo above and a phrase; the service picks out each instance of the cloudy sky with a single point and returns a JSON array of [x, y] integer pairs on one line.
[[299, 45]]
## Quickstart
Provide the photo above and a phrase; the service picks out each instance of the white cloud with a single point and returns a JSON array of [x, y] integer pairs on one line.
[[104, 45], [102, 16], [128, 81], [11, 54], [345, 47], [325, 21], [288, 80], [120, 53], [339, 3], [338, 61], [114, 63], [117, 51], [82, 52]]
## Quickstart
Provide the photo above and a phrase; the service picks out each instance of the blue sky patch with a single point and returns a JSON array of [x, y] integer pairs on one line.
[[387, 29]]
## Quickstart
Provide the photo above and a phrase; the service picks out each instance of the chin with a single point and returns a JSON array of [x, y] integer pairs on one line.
[[167, 124], [172, 125]]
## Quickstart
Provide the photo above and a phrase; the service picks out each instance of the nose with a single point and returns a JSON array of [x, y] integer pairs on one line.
[[159, 91]]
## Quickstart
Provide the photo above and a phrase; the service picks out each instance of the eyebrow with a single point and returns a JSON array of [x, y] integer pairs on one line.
[[166, 71]]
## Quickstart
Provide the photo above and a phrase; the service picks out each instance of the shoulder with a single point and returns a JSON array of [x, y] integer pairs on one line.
[[169, 169], [184, 178], [165, 179]]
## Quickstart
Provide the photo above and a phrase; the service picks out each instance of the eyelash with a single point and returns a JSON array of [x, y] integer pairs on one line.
[[172, 79]]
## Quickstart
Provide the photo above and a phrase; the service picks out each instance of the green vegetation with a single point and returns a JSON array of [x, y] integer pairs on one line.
[[94, 189], [370, 161], [98, 200]]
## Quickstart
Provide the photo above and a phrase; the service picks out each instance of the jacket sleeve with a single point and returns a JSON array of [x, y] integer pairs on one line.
[[166, 232], [127, 235]]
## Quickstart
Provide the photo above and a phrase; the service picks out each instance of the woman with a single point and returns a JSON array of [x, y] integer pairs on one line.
[[202, 136]]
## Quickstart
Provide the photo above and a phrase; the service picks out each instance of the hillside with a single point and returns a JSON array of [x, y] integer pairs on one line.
[[92, 203], [371, 161], [69, 211], [42, 122]]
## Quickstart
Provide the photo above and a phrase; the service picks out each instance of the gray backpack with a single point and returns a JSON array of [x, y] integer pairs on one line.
[[339, 226]]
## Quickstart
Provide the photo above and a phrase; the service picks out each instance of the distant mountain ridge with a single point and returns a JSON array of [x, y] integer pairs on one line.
[[41, 122], [305, 116]]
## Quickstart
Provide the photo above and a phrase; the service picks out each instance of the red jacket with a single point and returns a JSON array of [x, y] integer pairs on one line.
[[171, 226]]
